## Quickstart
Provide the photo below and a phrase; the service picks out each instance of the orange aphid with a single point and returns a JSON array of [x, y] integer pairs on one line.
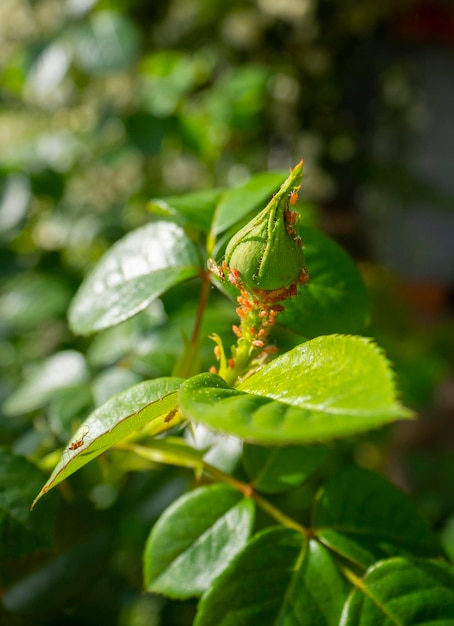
[[293, 197], [79, 443]]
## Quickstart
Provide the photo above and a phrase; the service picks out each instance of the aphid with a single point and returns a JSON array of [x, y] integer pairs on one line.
[[290, 216], [231, 363], [217, 352], [79, 443], [170, 415], [214, 268], [258, 343], [303, 278], [293, 197], [213, 370], [237, 330], [234, 276]]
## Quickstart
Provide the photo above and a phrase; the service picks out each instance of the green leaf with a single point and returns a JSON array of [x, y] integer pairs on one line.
[[107, 43], [364, 518], [335, 300], [135, 271], [29, 299], [62, 371], [328, 387], [195, 539], [403, 592], [319, 592], [274, 470], [146, 404], [252, 590], [170, 450], [236, 204], [278, 578], [21, 532], [61, 581], [190, 209]]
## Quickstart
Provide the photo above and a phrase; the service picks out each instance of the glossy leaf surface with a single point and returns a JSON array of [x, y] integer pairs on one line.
[[335, 299], [27, 300], [275, 470], [252, 589], [191, 209], [364, 518], [135, 271], [277, 579], [319, 590], [403, 592], [147, 402], [339, 386], [195, 539], [63, 370]]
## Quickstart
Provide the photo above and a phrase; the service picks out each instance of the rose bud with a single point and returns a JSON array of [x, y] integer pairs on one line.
[[267, 253]]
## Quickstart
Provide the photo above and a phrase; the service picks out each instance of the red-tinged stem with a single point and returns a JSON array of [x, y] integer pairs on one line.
[[193, 344]]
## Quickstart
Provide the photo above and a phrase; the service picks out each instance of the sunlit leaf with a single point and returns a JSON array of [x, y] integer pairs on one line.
[[135, 271], [339, 385], [62, 371], [150, 403], [30, 299]]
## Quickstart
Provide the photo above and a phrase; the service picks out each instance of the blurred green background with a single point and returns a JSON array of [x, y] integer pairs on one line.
[[107, 104]]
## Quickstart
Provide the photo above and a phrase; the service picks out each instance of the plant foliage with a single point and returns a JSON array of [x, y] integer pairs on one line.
[[364, 546]]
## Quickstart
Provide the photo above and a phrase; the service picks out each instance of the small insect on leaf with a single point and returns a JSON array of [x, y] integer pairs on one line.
[[214, 268], [293, 197], [170, 415], [78, 443]]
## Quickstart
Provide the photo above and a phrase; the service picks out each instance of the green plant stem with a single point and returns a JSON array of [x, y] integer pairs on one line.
[[199, 466], [249, 492], [368, 592]]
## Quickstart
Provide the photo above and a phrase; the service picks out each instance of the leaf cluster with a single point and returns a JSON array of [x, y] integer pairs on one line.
[[363, 544]]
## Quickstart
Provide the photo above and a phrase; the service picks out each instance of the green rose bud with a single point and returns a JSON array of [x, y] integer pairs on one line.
[[267, 253]]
